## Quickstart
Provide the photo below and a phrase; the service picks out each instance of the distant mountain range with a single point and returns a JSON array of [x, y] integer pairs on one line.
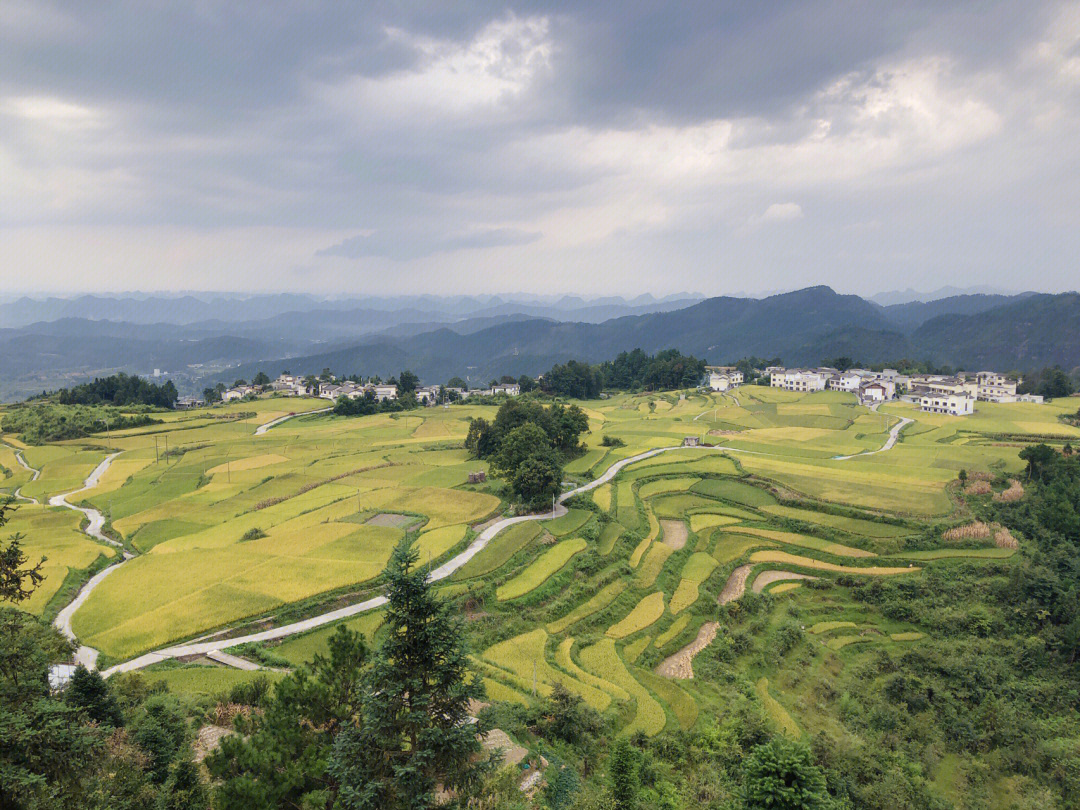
[[480, 338]]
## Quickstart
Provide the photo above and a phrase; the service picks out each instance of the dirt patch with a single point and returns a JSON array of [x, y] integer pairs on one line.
[[391, 519], [512, 753], [198, 659], [675, 533], [681, 664], [208, 740], [735, 586], [978, 488], [767, 578]]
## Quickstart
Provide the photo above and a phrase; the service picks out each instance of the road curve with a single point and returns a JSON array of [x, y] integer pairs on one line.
[[261, 429], [439, 573], [36, 474], [894, 436], [442, 572], [87, 656]]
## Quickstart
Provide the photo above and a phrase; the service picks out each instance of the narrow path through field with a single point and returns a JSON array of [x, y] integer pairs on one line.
[[737, 582], [36, 474], [261, 429], [894, 435], [87, 656]]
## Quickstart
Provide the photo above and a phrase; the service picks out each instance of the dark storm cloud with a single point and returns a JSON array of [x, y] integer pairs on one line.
[[617, 139]]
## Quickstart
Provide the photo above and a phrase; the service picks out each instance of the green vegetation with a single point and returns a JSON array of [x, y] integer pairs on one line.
[[914, 671], [42, 423]]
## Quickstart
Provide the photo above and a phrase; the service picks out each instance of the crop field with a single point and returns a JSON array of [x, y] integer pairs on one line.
[[236, 530], [538, 572]]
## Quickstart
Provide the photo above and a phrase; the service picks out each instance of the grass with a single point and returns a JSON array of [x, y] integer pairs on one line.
[[673, 631], [665, 485], [499, 550], [632, 651], [806, 541], [608, 537], [697, 570], [992, 553], [776, 712], [839, 642], [564, 659], [604, 597], [602, 497], [523, 656], [300, 649], [828, 627], [645, 613], [784, 587], [537, 573], [603, 660], [682, 705], [729, 547], [866, 528], [739, 492], [654, 561], [205, 681], [570, 522], [498, 691], [53, 533], [700, 521], [626, 509], [784, 557], [654, 532]]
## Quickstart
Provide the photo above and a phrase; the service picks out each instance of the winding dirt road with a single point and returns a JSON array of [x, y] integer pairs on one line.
[[261, 429], [87, 656], [734, 588]]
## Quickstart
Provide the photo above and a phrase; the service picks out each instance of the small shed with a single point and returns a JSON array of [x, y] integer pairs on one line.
[[691, 441], [477, 477]]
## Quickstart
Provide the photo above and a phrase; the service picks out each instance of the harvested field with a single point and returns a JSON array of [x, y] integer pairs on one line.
[[735, 586], [675, 533], [681, 664], [1003, 539], [391, 519]]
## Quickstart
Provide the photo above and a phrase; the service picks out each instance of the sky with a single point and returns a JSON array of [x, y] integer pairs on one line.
[[593, 148]]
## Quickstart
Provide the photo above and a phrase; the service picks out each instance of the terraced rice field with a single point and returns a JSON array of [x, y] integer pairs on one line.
[[235, 528]]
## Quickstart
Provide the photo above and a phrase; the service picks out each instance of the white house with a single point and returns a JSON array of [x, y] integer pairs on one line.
[[186, 403], [874, 392], [995, 387], [802, 379], [239, 392], [721, 378], [953, 404], [385, 392], [427, 395], [510, 389]]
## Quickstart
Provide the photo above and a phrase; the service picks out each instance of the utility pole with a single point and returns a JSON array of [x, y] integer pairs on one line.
[[156, 458], [534, 677]]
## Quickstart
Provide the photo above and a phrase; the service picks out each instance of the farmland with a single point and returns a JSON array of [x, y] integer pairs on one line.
[[234, 532]]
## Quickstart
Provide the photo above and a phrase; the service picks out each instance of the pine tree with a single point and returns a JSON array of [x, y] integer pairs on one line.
[[89, 693], [624, 774], [416, 736]]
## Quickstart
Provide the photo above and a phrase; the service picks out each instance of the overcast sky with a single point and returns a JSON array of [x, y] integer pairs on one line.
[[614, 147]]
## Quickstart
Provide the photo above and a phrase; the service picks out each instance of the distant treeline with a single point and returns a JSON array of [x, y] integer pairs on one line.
[[38, 424], [628, 371], [120, 389]]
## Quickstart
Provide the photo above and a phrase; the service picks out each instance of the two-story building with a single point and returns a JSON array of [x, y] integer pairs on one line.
[[954, 404], [723, 378]]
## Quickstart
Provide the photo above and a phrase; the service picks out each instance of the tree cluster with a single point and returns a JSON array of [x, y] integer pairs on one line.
[[527, 443], [629, 371], [120, 389], [41, 423], [1048, 382]]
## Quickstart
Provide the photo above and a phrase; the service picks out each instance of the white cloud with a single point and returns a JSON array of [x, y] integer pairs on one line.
[[452, 78], [782, 212]]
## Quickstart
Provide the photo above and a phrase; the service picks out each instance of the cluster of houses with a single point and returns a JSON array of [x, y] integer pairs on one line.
[[868, 386], [935, 393]]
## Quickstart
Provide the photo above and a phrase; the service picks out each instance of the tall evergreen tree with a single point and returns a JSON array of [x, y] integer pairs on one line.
[[416, 736]]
